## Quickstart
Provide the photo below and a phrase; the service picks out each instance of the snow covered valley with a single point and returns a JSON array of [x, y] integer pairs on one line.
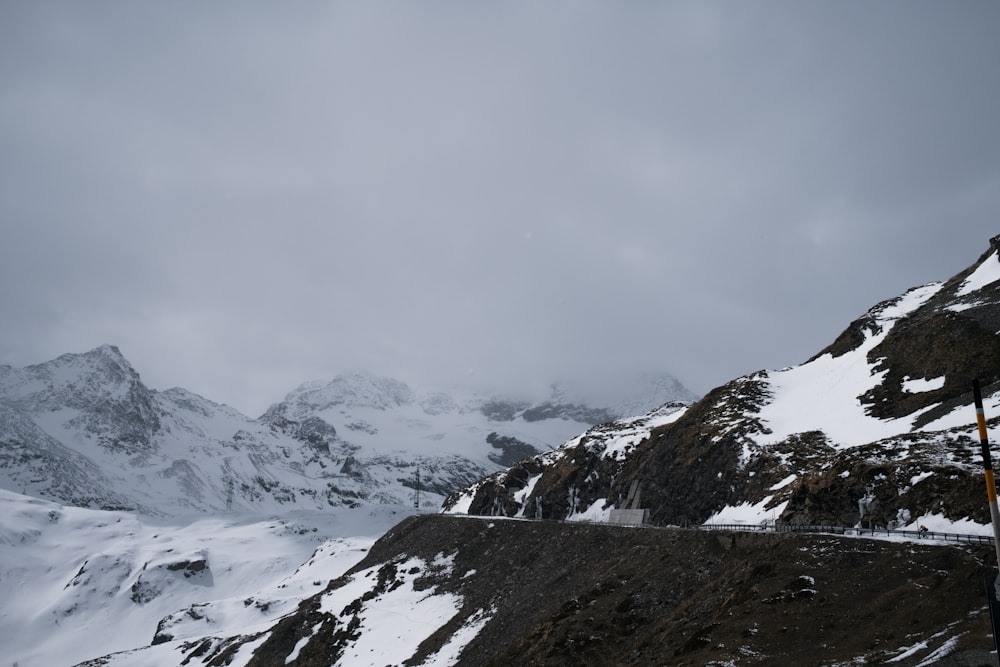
[[78, 584]]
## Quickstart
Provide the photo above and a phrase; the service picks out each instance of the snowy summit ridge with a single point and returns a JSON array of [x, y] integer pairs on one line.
[[354, 390]]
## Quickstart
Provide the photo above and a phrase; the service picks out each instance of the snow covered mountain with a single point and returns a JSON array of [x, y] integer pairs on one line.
[[84, 430], [876, 429]]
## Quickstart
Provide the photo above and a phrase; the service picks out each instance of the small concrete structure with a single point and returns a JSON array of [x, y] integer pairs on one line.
[[629, 517], [633, 516]]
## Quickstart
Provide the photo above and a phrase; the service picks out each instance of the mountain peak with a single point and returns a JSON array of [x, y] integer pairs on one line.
[[353, 390], [102, 370], [624, 394], [108, 350], [106, 356]]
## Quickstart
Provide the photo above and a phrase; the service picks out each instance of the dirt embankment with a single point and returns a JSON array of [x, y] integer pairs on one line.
[[571, 594]]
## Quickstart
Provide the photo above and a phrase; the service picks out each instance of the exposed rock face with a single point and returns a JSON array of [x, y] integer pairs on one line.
[[580, 413], [510, 450]]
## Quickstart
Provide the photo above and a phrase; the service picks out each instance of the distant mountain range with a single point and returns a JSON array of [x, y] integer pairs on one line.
[[84, 430]]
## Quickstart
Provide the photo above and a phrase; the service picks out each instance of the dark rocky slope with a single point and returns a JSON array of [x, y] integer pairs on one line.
[[578, 594]]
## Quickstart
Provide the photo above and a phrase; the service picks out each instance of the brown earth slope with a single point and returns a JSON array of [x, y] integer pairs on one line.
[[575, 594]]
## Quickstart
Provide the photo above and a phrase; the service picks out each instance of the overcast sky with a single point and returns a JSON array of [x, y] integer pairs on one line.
[[247, 195]]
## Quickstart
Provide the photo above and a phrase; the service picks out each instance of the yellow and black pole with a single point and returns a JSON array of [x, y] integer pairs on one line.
[[992, 592], [991, 487]]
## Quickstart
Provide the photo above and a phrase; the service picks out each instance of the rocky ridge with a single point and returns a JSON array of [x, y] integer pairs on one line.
[[877, 429]]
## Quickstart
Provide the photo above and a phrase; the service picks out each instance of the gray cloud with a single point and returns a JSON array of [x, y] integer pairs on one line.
[[244, 196]]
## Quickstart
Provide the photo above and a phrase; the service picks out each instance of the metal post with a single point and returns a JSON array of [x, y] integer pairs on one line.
[[991, 488], [416, 491], [992, 592]]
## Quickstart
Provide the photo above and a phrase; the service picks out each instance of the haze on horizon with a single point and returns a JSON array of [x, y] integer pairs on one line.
[[246, 196]]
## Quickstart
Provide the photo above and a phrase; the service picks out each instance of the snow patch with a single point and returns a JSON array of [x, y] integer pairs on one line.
[[464, 502], [783, 483], [594, 513], [746, 513], [918, 385], [985, 274]]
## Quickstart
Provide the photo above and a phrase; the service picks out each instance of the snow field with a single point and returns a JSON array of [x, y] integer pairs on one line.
[[823, 394], [986, 273], [78, 584], [395, 621]]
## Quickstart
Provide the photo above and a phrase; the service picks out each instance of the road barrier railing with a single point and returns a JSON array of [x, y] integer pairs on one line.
[[776, 528], [852, 530]]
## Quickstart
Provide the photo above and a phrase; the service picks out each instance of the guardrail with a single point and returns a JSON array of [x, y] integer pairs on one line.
[[843, 530], [777, 528]]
